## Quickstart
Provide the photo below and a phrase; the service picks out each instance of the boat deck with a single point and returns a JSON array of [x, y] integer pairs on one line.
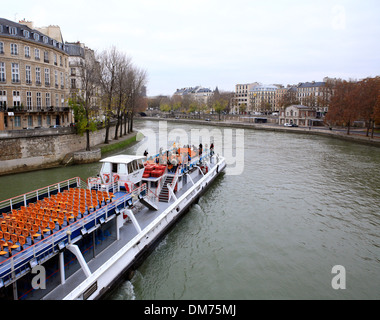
[[144, 216], [23, 228]]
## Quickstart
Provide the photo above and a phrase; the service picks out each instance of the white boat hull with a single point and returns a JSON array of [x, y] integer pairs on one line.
[[132, 254]]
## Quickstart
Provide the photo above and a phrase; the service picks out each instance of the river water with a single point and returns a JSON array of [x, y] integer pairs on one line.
[[273, 227]]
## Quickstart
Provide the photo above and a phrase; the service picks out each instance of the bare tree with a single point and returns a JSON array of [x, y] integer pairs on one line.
[[136, 80], [109, 62], [289, 98], [121, 90]]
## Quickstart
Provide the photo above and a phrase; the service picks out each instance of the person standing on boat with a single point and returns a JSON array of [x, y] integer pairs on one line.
[[146, 153], [212, 149]]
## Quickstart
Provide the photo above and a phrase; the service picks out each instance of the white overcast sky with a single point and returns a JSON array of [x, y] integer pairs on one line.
[[221, 42]]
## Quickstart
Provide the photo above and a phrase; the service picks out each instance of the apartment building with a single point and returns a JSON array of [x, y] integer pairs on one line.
[[198, 93], [315, 95], [82, 64], [241, 100], [33, 76], [263, 98]]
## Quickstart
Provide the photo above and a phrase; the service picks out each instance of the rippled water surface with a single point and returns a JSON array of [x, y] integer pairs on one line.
[[302, 205]]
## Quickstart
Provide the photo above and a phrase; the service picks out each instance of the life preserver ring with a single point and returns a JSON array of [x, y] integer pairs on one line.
[[116, 178], [126, 187], [106, 177]]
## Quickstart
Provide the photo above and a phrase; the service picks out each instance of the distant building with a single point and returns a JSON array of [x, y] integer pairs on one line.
[[33, 76], [315, 95], [263, 98], [198, 93], [241, 97], [285, 96], [299, 115], [80, 57]]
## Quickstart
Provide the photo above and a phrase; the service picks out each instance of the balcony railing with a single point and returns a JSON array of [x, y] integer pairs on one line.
[[30, 109]]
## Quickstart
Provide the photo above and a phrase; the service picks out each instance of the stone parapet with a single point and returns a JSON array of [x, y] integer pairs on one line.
[[81, 157], [36, 150]]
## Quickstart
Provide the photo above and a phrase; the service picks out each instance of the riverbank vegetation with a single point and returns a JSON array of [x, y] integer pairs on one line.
[[218, 103], [355, 101], [117, 145]]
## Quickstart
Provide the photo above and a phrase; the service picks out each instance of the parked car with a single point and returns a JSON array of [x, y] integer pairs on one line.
[[294, 125], [287, 125]]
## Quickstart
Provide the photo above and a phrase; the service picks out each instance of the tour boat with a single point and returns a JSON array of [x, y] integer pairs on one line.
[[76, 239]]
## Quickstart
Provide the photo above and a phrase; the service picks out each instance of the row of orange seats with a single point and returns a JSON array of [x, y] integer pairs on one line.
[[47, 215]]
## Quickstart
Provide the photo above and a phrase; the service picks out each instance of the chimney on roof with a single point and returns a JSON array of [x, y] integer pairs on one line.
[[29, 24]]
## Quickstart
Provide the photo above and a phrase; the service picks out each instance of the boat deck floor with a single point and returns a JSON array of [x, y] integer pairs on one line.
[[127, 232]]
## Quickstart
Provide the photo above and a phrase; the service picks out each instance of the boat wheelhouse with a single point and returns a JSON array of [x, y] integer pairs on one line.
[[121, 171], [75, 239]]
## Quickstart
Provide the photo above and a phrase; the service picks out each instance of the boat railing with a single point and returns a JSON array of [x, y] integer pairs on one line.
[[39, 194], [174, 181], [143, 191], [97, 184], [16, 265]]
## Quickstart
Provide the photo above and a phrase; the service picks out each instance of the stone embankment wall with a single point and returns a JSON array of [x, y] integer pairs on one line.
[[42, 148]]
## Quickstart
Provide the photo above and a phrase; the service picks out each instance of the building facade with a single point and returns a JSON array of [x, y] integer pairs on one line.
[[241, 101], [315, 95], [299, 115], [199, 94], [81, 61], [33, 77], [263, 98]]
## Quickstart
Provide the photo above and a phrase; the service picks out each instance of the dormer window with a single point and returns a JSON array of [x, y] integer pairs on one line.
[[45, 39], [13, 31], [36, 37], [26, 33]]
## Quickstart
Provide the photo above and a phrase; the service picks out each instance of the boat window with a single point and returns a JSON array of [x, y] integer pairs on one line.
[[122, 169], [134, 165], [106, 167], [140, 163], [129, 165], [114, 167]]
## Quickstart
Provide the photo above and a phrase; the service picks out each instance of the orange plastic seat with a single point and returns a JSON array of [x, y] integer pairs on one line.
[[44, 227], [60, 222], [25, 232], [7, 236], [3, 244], [22, 241], [14, 238], [4, 227], [35, 230], [51, 226]]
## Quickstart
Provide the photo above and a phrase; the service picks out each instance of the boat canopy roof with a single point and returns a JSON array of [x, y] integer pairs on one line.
[[122, 159]]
